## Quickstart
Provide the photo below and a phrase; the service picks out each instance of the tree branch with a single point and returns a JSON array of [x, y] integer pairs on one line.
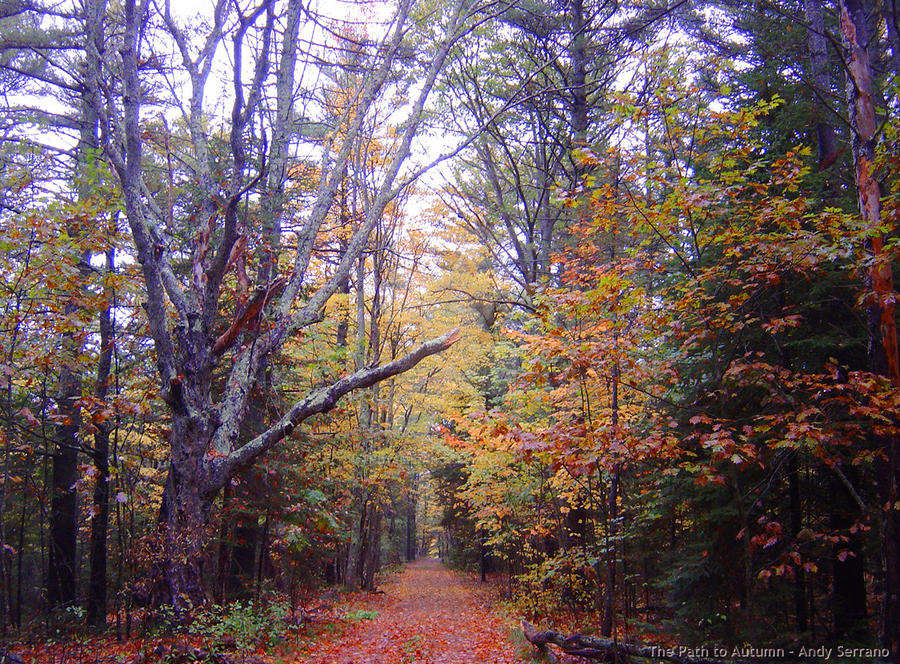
[[319, 401]]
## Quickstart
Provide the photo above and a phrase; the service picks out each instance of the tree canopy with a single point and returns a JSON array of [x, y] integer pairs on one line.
[[595, 296]]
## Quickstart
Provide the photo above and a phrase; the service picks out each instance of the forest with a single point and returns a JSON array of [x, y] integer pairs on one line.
[[590, 299]]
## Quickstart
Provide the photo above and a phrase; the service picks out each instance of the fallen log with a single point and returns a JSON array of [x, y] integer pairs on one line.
[[608, 650]]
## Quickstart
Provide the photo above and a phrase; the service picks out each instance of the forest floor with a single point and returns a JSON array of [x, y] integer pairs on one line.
[[427, 615], [423, 614]]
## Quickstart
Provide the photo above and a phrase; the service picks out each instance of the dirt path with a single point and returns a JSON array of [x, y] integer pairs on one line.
[[428, 615]]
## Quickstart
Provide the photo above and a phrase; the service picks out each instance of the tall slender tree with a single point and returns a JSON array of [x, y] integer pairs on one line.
[[881, 317]]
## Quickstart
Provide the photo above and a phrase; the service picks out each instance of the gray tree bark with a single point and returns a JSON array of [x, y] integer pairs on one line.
[[206, 448], [820, 76]]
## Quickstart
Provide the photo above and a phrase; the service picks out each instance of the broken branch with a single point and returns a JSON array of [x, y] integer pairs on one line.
[[592, 647]]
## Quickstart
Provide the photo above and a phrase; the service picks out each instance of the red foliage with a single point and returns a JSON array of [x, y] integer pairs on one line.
[[427, 615]]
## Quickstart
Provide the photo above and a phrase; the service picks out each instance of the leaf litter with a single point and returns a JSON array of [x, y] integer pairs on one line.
[[427, 615]]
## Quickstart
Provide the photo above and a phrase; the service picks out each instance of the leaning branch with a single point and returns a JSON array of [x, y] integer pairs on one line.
[[320, 401]]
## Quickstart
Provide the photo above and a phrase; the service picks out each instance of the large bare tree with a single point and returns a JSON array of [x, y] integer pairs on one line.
[[210, 363]]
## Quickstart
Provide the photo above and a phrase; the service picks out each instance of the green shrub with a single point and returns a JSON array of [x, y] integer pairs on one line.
[[247, 625], [361, 614]]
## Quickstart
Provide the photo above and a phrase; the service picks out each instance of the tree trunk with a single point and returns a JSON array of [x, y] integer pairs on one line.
[[183, 589], [891, 13], [883, 354], [184, 535], [410, 527], [61, 581], [796, 509], [17, 615], [888, 481], [224, 543], [848, 576], [612, 515], [356, 549], [817, 41], [96, 603], [609, 596], [482, 555], [578, 82], [263, 555], [371, 561], [242, 558], [64, 499]]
